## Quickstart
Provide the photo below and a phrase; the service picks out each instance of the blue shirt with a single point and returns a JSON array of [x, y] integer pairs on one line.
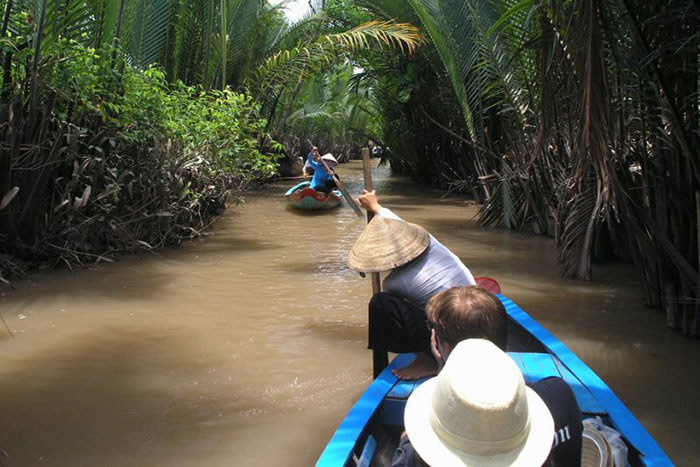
[[320, 174]]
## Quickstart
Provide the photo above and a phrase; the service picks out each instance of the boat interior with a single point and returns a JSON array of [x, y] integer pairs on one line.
[[380, 439]]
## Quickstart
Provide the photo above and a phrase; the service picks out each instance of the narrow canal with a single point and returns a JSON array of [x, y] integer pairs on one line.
[[247, 347]]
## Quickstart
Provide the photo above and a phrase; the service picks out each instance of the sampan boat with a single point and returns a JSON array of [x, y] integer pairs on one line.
[[371, 430], [302, 196]]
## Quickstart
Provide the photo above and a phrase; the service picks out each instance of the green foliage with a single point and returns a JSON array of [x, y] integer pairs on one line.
[[332, 108], [120, 159], [283, 67], [346, 13], [221, 127], [306, 70], [84, 80]]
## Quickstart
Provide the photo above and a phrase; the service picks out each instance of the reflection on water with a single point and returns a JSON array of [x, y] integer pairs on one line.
[[248, 346]]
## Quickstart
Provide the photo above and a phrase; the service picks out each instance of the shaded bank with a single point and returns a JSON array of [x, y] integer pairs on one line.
[[117, 161]]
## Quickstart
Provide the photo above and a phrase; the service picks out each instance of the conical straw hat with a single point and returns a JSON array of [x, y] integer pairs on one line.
[[387, 244], [329, 157]]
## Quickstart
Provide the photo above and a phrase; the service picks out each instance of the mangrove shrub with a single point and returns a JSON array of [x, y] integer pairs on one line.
[[106, 158]]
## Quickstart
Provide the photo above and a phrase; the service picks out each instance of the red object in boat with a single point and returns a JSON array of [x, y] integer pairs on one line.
[[489, 284]]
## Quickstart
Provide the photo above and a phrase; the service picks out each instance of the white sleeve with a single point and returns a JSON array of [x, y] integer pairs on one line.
[[388, 213]]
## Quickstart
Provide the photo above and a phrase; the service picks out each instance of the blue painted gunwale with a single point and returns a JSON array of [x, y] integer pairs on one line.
[[620, 416], [340, 447]]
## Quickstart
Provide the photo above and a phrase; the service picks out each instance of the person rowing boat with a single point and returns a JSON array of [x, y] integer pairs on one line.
[[322, 169], [420, 267]]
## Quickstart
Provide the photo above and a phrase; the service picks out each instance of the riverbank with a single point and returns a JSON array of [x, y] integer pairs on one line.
[[176, 214], [118, 160]]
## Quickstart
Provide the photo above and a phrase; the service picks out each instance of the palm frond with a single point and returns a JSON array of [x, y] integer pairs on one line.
[[428, 12], [577, 221], [284, 66], [146, 30]]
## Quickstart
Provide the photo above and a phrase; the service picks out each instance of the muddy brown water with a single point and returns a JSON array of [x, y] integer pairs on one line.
[[247, 347]]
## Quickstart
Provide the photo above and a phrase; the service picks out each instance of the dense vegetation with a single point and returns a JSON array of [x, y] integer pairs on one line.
[[577, 119], [99, 156], [125, 123]]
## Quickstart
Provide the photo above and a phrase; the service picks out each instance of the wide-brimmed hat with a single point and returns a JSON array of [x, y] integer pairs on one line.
[[329, 157], [595, 449], [478, 412], [387, 244]]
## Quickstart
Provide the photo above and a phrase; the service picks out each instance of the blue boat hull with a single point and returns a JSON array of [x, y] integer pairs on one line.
[[374, 423]]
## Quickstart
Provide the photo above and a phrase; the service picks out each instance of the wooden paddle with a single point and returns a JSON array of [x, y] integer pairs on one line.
[[380, 359], [343, 190]]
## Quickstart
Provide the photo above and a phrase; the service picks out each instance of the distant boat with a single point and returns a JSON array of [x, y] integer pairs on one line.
[[371, 430], [302, 196]]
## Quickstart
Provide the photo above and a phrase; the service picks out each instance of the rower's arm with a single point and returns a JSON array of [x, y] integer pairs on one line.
[[369, 201], [388, 213], [310, 160]]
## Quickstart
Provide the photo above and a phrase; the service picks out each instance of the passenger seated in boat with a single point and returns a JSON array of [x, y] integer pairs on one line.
[[462, 313], [420, 267], [477, 411], [323, 178]]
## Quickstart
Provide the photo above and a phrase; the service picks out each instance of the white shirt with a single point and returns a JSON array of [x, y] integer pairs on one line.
[[435, 270]]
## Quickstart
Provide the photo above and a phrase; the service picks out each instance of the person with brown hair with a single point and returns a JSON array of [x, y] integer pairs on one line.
[[461, 314], [420, 266]]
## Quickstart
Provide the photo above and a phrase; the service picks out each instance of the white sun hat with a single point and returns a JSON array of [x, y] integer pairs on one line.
[[478, 412]]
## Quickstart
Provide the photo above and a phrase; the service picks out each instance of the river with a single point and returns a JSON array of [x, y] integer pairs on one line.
[[247, 346]]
